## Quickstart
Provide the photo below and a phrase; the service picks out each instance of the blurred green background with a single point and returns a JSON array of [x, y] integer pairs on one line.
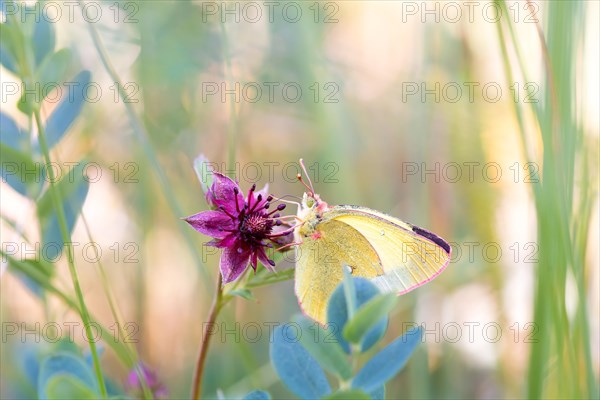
[[480, 126]]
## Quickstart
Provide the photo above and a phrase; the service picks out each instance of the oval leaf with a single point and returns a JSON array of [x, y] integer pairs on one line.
[[9, 40], [337, 313], [368, 316], [321, 344], [43, 39], [10, 134], [20, 171], [67, 111], [348, 394], [73, 188], [298, 370], [378, 394], [52, 71], [388, 362], [257, 395], [61, 364], [66, 387]]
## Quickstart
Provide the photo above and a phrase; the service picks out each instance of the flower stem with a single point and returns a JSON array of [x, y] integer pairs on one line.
[[212, 317], [60, 214]]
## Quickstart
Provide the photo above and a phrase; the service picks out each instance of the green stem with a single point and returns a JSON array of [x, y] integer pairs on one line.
[[206, 336], [130, 352], [38, 277], [60, 213]]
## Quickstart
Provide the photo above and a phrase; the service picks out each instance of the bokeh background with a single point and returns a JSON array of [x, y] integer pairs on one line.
[[505, 168]]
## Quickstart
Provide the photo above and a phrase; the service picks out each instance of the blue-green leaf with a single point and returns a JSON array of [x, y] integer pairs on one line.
[[10, 134], [67, 387], [61, 364], [321, 344], [388, 362], [20, 171], [298, 370], [353, 394], [378, 394], [73, 188], [67, 111], [40, 265], [43, 39], [257, 395], [8, 42], [337, 313], [367, 316]]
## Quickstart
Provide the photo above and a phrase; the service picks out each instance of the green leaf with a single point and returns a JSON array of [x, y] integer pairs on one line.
[[378, 394], [349, 293], [73, 188], [367, 316], [65, 387], [298, 370], [20, 171], [243, 293], [321, 344], [387, 363], [43, 39], [265, 277], [68, 110], [337, 312], [39, 265], [10, 39], [353, 394], [63, 364], [257, 395], [203, 172], [53, 70], [10, 133]]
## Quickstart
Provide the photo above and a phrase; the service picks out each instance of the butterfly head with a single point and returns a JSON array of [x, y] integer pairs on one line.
[[311, 202]]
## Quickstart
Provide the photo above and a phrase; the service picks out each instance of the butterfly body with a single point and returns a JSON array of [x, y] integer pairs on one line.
[[395, 255]]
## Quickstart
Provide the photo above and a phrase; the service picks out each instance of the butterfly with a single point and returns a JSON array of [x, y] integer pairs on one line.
[[395, 255]]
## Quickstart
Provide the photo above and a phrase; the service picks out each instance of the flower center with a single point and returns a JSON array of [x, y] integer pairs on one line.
[[257, 225]]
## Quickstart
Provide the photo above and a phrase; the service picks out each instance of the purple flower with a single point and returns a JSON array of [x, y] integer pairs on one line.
[[242, 226], [157, 389]]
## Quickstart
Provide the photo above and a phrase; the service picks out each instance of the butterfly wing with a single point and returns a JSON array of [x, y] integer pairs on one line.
[[397, 256], [319, 261], [410, 256]]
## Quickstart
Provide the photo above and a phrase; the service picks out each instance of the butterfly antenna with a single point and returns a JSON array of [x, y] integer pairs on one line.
[[310, 188], [287, 201]]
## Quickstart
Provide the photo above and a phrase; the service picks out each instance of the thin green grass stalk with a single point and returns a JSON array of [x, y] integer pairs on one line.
[[562, 234], [42, 280], [581, 228], [58, 205], [131, 353], [149, 151]]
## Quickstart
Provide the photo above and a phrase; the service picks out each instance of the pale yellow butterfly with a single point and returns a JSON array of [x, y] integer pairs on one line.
[[397, 256]]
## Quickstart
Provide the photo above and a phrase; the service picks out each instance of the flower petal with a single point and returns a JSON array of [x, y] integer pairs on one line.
[[262, 256], [234, 261], [222, 193], [211, 223], [227, 241]]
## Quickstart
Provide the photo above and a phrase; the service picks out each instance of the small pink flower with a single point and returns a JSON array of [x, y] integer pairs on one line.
[[243, 227], [157, 389]]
